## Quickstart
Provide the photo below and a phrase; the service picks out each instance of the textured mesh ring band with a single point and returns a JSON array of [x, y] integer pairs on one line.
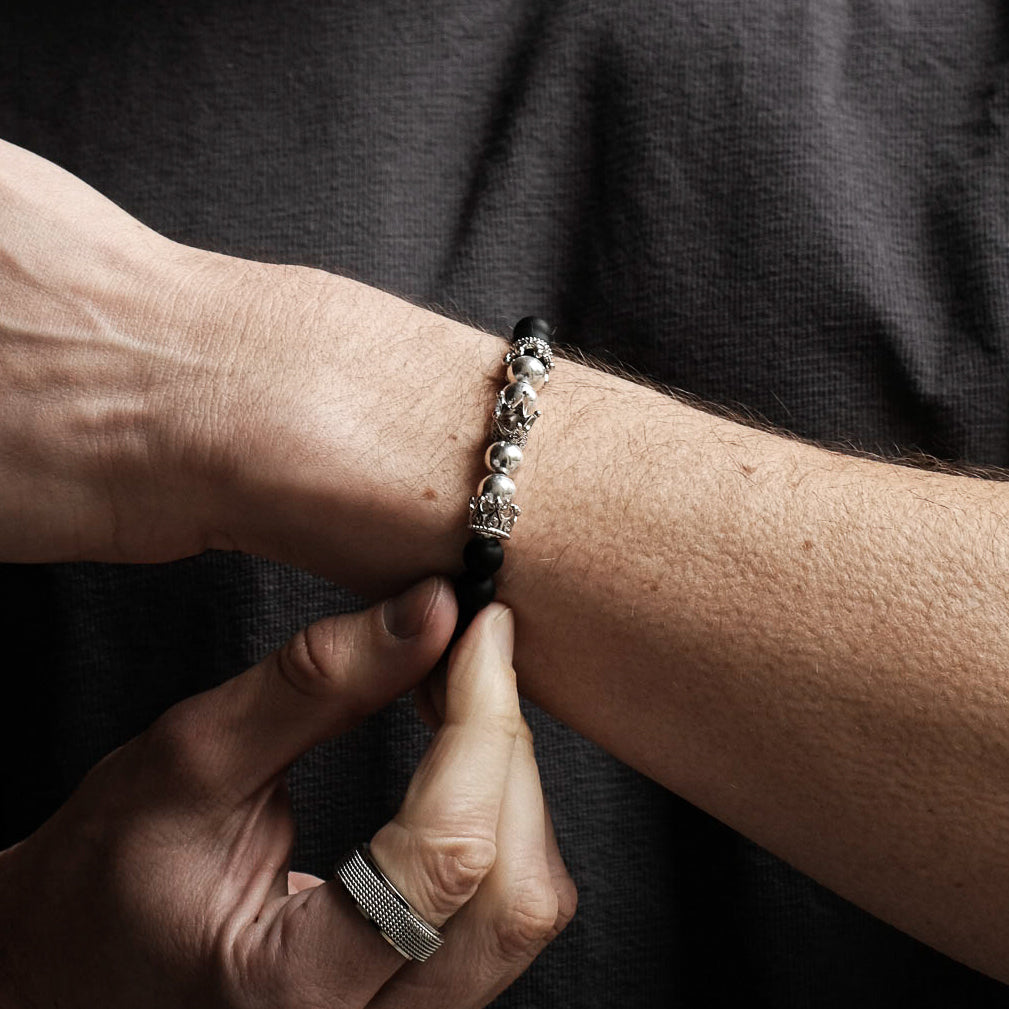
[[385, 907]]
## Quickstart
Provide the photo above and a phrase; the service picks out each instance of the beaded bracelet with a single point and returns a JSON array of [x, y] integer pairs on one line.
[[492, 512]]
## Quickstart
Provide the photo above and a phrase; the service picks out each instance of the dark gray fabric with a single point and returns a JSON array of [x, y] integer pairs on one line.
[[797, 207]]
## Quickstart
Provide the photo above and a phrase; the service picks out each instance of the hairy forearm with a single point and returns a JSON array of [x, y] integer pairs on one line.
[[810, 646]]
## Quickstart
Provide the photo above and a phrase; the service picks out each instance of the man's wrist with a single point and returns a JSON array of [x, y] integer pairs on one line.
[[343, 432]]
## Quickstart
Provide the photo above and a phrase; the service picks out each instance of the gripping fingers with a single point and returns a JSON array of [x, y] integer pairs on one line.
[[443, 841], [440, 845], [234, 740], [525, 901]]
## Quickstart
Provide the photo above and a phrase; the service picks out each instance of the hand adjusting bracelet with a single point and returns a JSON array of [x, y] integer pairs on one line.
[[492, 514]]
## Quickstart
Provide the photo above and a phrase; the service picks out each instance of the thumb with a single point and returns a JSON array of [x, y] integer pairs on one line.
[[321, 683]]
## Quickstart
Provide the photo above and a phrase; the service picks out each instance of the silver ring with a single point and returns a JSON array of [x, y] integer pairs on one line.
[[385, 907]]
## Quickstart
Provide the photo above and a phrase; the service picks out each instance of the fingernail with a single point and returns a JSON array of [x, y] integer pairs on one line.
[[405, 616], [503, 630]]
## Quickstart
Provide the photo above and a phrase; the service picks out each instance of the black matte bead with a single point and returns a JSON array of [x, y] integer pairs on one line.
[[530, 327], [483, 555], [473, 592]]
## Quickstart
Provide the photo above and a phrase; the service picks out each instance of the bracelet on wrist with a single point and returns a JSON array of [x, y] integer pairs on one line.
[[492, 510]]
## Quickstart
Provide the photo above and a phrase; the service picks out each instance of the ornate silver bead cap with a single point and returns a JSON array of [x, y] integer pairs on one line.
[[517, 397], [515, 413], [490, 515], [532, 346], [513, 429]]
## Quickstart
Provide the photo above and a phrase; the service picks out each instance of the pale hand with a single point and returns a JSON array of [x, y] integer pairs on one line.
[[163, 882], [159, 399]]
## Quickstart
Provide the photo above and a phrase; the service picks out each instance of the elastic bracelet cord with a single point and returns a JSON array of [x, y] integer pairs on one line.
[[492, 510]]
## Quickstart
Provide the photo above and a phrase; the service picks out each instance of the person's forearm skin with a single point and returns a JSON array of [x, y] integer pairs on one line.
[[809, 646]]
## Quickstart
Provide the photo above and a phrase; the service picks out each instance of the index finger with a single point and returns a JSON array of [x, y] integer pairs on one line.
[[443, 840], [437, 849]]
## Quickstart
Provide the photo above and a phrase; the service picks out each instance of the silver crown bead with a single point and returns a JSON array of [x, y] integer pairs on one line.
[[517, 396], [513, 413], [490, 515], [497, 485], [528, 369], [503, 457], [512, 429]]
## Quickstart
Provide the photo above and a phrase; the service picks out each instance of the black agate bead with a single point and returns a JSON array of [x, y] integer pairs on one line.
[[472, 593], [483, 555], [531, 327]]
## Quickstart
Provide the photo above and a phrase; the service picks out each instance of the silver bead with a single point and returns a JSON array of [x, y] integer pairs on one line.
[[528, 369], [503, 457], [517, 396], [531, 346], [497, 485]]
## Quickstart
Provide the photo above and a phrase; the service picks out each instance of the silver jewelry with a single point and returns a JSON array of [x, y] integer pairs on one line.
[[513, 413], [503, 457], [378, 899], [528, 369], [529, 360], [535, 346], [492, 516], [497, 485], [492, 510]]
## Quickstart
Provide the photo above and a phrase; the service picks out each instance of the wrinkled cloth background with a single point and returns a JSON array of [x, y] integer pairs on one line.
[[797, 208]]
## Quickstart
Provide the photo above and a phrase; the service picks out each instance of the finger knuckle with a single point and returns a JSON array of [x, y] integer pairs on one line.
[[277, 965], [529, 920], [567, 902], [178, 744], [311, 663], [455, 866], [504, 723], [523, 734]]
